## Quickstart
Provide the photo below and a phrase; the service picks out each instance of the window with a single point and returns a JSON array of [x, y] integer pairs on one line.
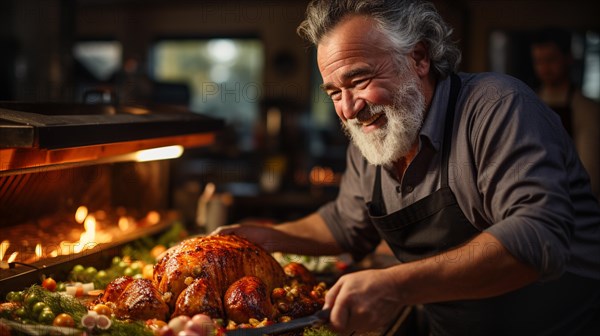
[[101, 59], [591, 62], [223, 76]]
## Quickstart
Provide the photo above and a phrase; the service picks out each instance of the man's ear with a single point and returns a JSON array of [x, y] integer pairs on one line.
[[420, 56]]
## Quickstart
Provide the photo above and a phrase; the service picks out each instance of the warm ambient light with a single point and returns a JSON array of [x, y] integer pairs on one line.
[[13, 257], [3, 248], [81, 214], [38, 251], [160, 153]]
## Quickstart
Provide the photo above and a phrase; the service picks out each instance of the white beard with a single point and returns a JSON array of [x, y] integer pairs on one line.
[[395, 139]]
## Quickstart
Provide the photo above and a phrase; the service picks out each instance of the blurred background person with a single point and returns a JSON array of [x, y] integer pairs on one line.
[[552, 61]]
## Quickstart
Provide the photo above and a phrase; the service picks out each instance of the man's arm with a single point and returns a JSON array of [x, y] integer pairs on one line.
[[479, 269], [307, 236]]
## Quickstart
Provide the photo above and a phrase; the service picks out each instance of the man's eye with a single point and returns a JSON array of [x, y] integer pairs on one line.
[[335, 95], [359, 82]]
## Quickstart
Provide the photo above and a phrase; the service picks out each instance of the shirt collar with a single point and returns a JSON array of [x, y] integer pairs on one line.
[[433, 125]]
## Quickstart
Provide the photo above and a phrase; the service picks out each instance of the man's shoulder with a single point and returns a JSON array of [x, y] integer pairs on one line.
[[492, 86], [492, 80], [355, 157], [494, 102]]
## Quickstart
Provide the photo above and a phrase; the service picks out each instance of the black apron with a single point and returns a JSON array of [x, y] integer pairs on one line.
[[432, 224], [436, 223]]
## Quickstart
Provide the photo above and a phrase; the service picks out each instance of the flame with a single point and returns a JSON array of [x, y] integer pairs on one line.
[[100, 215], [96, 231], [124, 223], [153, 217], [81, 214], [67, 247], [13, 257], [38, 251], [89, 236], [90, 224], [3, 248]]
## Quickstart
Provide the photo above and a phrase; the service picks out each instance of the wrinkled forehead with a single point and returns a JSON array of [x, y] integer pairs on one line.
[[354, 28], [353, 35]]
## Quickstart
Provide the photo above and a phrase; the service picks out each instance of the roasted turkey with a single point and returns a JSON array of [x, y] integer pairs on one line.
[[135, 299], [224, 277], [248, 298]]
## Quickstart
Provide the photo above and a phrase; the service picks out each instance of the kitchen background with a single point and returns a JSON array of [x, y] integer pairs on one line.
[[282, 152]]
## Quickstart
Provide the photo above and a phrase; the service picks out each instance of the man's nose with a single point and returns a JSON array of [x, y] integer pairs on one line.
[[350, 105]]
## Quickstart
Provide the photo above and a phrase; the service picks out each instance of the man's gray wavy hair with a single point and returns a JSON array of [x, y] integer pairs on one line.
[[405, 22]]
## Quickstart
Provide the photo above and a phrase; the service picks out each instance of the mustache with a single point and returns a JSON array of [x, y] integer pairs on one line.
[[369, 111]]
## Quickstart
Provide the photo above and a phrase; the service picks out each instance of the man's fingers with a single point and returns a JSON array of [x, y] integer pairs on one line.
[[331, 296], [225, 230], [339, 311], [339, 316]]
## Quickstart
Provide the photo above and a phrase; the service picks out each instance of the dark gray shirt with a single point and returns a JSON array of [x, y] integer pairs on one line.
[[514, 171]]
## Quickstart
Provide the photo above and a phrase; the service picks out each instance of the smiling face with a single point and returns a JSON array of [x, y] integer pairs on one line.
[[380, 101]]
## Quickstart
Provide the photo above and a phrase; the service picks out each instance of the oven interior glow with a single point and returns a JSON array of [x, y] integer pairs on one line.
[[160, 153]]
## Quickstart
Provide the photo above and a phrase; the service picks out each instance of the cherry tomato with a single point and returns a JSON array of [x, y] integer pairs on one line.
[[128, 271], [78, 270], [116, 260], [49, 284], [31, 299], [46, 316], [21, 312], [14, 296], [102, 309], [157, 250], [90, 273], [156, 325], [63, 320], [38, 307], [61, 287]]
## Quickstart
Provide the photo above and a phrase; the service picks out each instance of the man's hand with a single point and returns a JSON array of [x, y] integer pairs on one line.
[[258, 233], [363, 301], [306, 236], [374, 298]]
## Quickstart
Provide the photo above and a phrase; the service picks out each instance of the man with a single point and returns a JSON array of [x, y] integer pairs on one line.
[[468, 178], [552, 61]]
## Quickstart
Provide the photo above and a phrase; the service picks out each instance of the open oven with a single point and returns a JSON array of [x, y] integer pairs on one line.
[[79, 181]]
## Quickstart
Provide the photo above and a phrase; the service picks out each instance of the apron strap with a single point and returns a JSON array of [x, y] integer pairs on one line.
[[377, 204], [455, 84]]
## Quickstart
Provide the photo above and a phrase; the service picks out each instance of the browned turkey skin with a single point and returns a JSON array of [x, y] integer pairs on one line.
[[219, 261], [135, 299], [224, 277], [249, 298]]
